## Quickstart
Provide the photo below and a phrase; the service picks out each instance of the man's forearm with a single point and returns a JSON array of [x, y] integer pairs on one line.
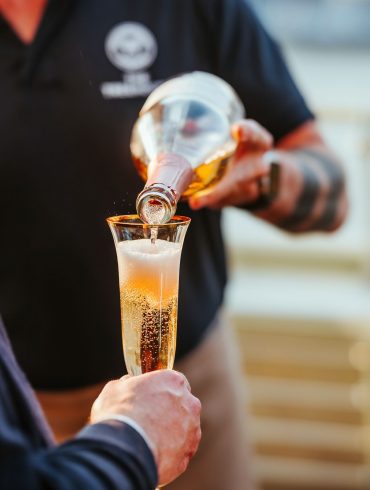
[[311, 194]]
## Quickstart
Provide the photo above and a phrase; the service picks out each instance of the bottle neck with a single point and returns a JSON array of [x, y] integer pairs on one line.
[[169, 175], [156, 204]]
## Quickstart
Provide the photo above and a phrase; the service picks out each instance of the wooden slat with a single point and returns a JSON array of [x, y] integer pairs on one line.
[[300, 327], [270, 369], [299, 474], [296, 393], [349, 417], [340, 438], [329, 455], [294, 351], [303, 486]]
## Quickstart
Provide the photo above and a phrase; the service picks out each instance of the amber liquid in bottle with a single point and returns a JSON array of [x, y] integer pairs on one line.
[[204, 176]]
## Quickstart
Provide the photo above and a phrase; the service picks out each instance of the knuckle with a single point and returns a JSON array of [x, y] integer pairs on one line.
[[195, 441], [96, 405], [252, 126], [165, 375], [179, 378], [193, 446], [184, 464], [191, 453], [197, 406], [160, 373], [110, 385]]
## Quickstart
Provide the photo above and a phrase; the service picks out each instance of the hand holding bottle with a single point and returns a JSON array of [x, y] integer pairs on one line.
[[241, 182], [181, 141]]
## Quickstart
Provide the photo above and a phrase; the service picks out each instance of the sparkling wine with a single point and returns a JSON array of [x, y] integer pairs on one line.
[[149, 276]]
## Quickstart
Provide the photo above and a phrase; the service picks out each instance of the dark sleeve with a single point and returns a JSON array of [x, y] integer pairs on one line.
[[104, 456], [252, 62]]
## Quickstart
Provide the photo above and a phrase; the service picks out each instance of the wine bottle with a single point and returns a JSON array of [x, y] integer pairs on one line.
[[182, 141]]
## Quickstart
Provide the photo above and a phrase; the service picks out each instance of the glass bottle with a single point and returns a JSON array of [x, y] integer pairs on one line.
[[182, 141]]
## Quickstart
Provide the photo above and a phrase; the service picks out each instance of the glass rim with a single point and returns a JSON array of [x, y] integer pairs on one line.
[[130, 220]]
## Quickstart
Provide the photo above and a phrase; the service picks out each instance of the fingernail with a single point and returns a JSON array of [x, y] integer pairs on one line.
[[236, 132], [195, 203]]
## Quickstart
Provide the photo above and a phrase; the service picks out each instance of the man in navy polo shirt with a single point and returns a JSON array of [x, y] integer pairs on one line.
[[73, 76]]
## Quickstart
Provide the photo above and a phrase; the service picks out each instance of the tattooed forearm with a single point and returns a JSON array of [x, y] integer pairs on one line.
[[312, 192], [335, 177], [307, 199]]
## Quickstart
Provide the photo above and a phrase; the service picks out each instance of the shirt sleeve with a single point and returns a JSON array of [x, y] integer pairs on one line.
[[109, 455], [252, 62]]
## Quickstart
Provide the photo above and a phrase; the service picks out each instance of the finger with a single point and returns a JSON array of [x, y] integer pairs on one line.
[[240, 199], [194, 442], [197, 439], [249, 133], [183, 465], [197, 406], [211, 198], [238, 186]]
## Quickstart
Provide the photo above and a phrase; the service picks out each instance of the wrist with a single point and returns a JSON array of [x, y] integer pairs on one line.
[[134, 425]]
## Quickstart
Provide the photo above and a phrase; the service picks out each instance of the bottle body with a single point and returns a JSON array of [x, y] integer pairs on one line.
[[182, 139]]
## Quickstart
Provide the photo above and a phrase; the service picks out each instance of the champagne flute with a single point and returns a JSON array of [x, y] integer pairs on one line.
[[148, 264]]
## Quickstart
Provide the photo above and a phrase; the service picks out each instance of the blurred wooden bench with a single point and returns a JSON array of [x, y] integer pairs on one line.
[[309, 410]]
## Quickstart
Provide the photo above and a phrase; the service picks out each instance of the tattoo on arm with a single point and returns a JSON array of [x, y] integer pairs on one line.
[[336, 179], [307, 199], [311, 191]]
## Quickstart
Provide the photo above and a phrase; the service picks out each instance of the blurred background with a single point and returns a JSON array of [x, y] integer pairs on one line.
[[301, 305]]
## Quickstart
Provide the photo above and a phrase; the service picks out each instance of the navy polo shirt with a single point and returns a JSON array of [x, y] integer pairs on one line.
[[67, 105]]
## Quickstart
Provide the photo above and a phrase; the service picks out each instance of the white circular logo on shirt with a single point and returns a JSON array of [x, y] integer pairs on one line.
[[131, 46]]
